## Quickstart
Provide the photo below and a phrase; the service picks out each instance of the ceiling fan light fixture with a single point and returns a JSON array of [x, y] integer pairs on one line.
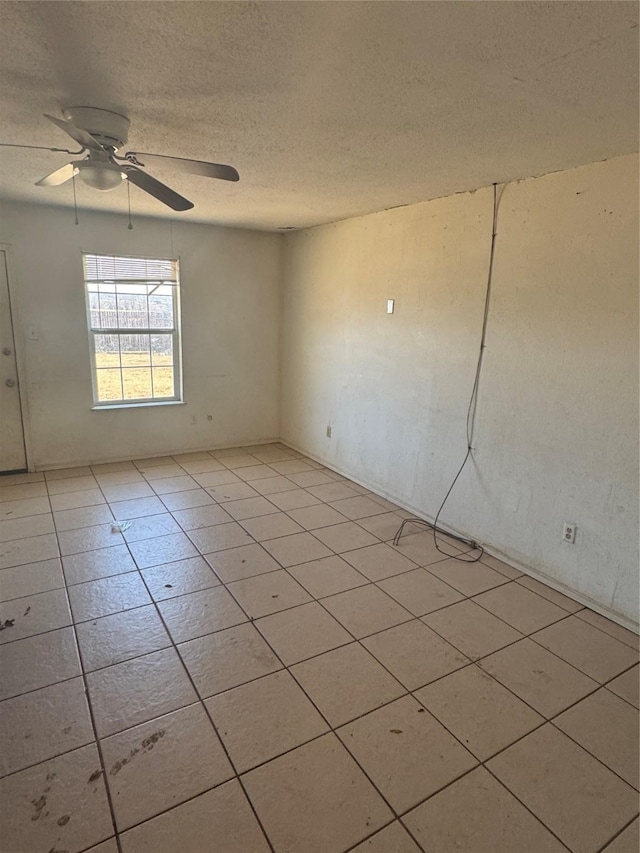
[[103, 177], [100, 134]]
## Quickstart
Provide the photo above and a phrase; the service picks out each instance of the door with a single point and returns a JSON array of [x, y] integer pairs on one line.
[[12, 453]]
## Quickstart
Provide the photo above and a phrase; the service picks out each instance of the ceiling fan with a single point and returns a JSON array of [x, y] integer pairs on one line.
[[101, 134]]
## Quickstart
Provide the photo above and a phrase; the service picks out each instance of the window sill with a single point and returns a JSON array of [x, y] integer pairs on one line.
[[100, 407]]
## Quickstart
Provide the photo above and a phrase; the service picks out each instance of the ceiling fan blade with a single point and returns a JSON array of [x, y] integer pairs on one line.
[[155, 188], [190, 167], [39, 148], [60, 176], [81, 136]]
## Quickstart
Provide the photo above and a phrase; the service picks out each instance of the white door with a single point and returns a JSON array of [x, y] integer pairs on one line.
[[12, 454]]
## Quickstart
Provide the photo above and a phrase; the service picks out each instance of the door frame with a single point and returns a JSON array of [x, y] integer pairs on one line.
[[19, 348]]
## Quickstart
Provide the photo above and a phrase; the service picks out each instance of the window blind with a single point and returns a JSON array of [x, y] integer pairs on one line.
[[115, 268]]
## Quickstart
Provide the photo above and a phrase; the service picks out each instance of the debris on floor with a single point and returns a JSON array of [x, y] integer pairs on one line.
[[527, 701]]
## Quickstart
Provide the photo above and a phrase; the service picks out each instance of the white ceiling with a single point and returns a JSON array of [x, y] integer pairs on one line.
[[327, 109]]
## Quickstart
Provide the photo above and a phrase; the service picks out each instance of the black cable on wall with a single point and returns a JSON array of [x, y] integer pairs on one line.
[[465, 557]]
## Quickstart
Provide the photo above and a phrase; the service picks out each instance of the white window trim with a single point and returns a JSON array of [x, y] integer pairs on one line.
[[176, 333]]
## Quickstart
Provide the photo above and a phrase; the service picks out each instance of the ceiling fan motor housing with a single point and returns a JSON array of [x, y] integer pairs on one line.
[[109, 128], [100, 134]]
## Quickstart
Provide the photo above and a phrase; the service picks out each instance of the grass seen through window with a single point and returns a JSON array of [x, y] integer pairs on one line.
[[133, 317]]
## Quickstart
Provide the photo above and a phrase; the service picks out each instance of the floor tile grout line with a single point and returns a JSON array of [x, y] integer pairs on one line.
[[286, 668], [57, 754], [199, 701], [398, 815], [43, 686], [407, 693], [479, 764], [324, 503], [583, 607], [239, 521], [331, 728], [249, 770], [15, 640], [615, 638], [553, 723], [602, 849], [544, 722], [452, 734], [482, 763], [146, 568], [477, 661], [439, 609], [105, 841], [377, 708], [471, 662], [575, 666], [350, 550], [579, 608], [498, 617], [26, 515], [617, 695], [174, 806], [354, 640], [206, 711], [437, 579], [525, 806], [387, 542], [531, 635], [260, 544], [26, 519], [30, 594], [227, 583], [98, 745], [545, 719], [375, 832], [472, 600], [586, 609], [367, 582]]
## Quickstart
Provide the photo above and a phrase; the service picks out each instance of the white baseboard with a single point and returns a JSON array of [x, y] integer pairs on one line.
[[55, 466], [537, 574]]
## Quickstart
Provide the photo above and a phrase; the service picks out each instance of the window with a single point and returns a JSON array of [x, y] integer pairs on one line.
[[133, 311]]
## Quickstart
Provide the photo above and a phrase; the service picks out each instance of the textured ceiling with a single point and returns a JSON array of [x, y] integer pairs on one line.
[[327, 109]]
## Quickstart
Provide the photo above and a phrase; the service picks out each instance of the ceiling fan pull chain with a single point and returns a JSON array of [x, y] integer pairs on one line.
[[75, 200], [130, 225]]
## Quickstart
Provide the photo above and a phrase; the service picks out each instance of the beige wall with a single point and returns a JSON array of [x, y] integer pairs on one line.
[[557, 426], [230, 282]]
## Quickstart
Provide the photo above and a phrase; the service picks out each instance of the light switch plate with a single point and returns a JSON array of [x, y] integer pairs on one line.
[[390, 305]]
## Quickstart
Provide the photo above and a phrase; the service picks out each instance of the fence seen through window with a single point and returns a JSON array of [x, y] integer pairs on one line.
[[134, 328]]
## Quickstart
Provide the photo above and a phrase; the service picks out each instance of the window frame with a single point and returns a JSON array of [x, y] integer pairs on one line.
[[175, 332]]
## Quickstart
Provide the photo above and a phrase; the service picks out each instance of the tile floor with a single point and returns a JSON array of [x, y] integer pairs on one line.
[[249, 665]]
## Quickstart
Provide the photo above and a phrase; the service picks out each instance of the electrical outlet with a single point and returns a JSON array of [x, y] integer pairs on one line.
[[329, 431], [569, 532]]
